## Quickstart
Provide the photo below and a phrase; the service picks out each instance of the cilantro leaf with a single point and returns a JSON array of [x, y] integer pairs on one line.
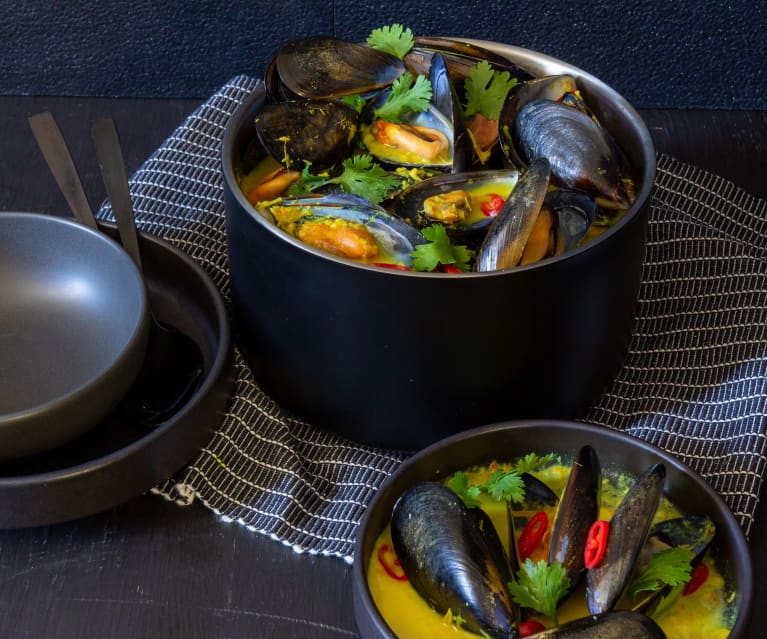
[[356, 102], [670, 567], [360, 176], [486, 90], [406, 96], [308, 182], [364, 177], [540, 586], [531, 462], [393, 39], [439, 250], [506, 486], [459, 484]]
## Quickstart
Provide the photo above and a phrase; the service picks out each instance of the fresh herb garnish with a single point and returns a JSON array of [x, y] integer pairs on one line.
[[356, 102], [670, 567], [406, 96], [360, 176], [439, 250], [540, 586], [394, 39], [469, 494], [506, 486], [486, 90], [532, 463]]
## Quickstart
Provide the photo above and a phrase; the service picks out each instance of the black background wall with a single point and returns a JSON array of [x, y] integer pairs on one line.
[[694, 53]]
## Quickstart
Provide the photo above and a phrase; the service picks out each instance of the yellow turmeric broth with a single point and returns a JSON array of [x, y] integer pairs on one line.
[[702, 615]]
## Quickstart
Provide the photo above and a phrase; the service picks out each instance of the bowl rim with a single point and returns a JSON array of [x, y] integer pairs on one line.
[[365, 610], [529, 60]]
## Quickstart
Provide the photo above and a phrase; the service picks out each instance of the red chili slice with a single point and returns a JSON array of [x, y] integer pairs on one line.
[[390, 566], [492, 205], [596, 543], [530, 627], [532, 534], [697, 579], [449, 268], [396, 267]]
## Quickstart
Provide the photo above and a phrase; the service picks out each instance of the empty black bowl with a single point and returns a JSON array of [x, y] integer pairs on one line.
[[507, 441], [74, 324]]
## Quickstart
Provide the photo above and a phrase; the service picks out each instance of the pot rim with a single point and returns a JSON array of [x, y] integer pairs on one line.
[[535, 63], [739, 556]]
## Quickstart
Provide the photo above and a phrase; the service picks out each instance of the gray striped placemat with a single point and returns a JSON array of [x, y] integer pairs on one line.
[[694, 383]]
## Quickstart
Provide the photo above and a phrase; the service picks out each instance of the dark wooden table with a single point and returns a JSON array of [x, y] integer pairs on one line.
[[151, 569]]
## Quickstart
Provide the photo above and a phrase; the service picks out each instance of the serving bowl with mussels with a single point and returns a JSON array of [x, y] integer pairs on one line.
[[549, 529], [426, 234]]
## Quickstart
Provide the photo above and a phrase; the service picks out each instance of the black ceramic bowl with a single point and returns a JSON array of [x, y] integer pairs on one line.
[[74, 325], [401, 359], [507, 441]]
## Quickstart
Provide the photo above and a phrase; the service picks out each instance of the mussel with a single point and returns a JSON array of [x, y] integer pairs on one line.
[[326, 67], [629, 527], [578, 509], [581, 153], [300, 132], [508, 235], [619, 624], [444, 552], [346, 225], [420, 138], [465, 203]]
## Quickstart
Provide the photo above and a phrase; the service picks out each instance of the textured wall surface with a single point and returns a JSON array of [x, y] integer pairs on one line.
[[656, 53]]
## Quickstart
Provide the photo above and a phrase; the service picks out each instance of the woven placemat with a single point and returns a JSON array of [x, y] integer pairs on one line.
[[694, 383]]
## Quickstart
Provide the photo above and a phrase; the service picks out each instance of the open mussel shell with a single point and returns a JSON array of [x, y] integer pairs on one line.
[[575, 212], [298, 132], [581, 153], [460, 58], [507, 236], [455, 200], [445, 555], [578, 509], [395, 239], [629, 527], [325, 67], [438, 122], [619, 624]]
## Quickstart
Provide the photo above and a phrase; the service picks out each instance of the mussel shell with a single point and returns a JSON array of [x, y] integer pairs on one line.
[[619, 624], [507, 236], [629, 528], [409, 203], [325, 67], [575, 213], [460, 57], [307, 131], [578, 509], [551, 87], [395, 236], [694, 532], [581, 153], [446, 558], [441, 116]]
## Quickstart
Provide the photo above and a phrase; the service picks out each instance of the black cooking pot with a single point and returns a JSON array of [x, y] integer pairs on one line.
[[401, 359]]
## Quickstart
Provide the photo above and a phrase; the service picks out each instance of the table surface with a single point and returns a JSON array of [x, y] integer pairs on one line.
[[149, 568]]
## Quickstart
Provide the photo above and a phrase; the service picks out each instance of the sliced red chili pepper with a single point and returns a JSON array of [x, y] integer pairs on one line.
[[596, 543], [396, 267], [390, 566], [449, 268], [492, 205], [697, 579], [532, 534], [530, 627]]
